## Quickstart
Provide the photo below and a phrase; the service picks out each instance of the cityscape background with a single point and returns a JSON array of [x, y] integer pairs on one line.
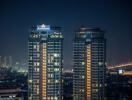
[[30, 60]]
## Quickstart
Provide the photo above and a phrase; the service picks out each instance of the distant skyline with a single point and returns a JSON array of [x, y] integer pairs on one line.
[[113, 16]]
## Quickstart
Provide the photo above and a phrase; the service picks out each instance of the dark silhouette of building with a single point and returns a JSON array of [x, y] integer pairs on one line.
[[119, 87], [68, 85], [13, 85]]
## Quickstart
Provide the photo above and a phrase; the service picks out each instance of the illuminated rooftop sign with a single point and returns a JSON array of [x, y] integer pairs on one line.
[[56, 36], [43, 27]]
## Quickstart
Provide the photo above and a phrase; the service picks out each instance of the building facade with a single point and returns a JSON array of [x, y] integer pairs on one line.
[[45, 63], [67, 85], [89, 64]]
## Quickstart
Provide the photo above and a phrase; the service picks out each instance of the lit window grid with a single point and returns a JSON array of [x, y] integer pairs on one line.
[[88, 72], [44, 81]]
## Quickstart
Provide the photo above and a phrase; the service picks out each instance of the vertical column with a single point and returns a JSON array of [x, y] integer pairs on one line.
[[88, 72], [43, 74]]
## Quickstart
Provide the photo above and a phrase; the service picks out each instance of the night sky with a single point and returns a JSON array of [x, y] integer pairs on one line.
[[113, 16]]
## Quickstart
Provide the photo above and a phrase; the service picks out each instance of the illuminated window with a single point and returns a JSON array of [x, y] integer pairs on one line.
[[56, 63], [100, 63], [48, 98], [56, 81], [37, 69], [83, 63], [34, 46], [95, 90], [49, 81], [83, 77], [30, 98], [50, 75], [49, 61], [52, 98], [61, 36], [37, 48], [37, 81], [30, 81], [30, 58], [37, 63], [34, 63], [52, 58], [37, 90], [81, 90], [56, 55], [56, 69], [56, 98]]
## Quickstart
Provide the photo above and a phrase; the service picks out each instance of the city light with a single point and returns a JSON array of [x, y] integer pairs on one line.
[[120, 66], [43, 27], [66, 50]]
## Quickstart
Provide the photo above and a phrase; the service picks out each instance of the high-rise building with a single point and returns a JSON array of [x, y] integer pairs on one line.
[[10, 61], [68, 85], [45, 63], [0, 61], [89, 64], [5, 61]]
